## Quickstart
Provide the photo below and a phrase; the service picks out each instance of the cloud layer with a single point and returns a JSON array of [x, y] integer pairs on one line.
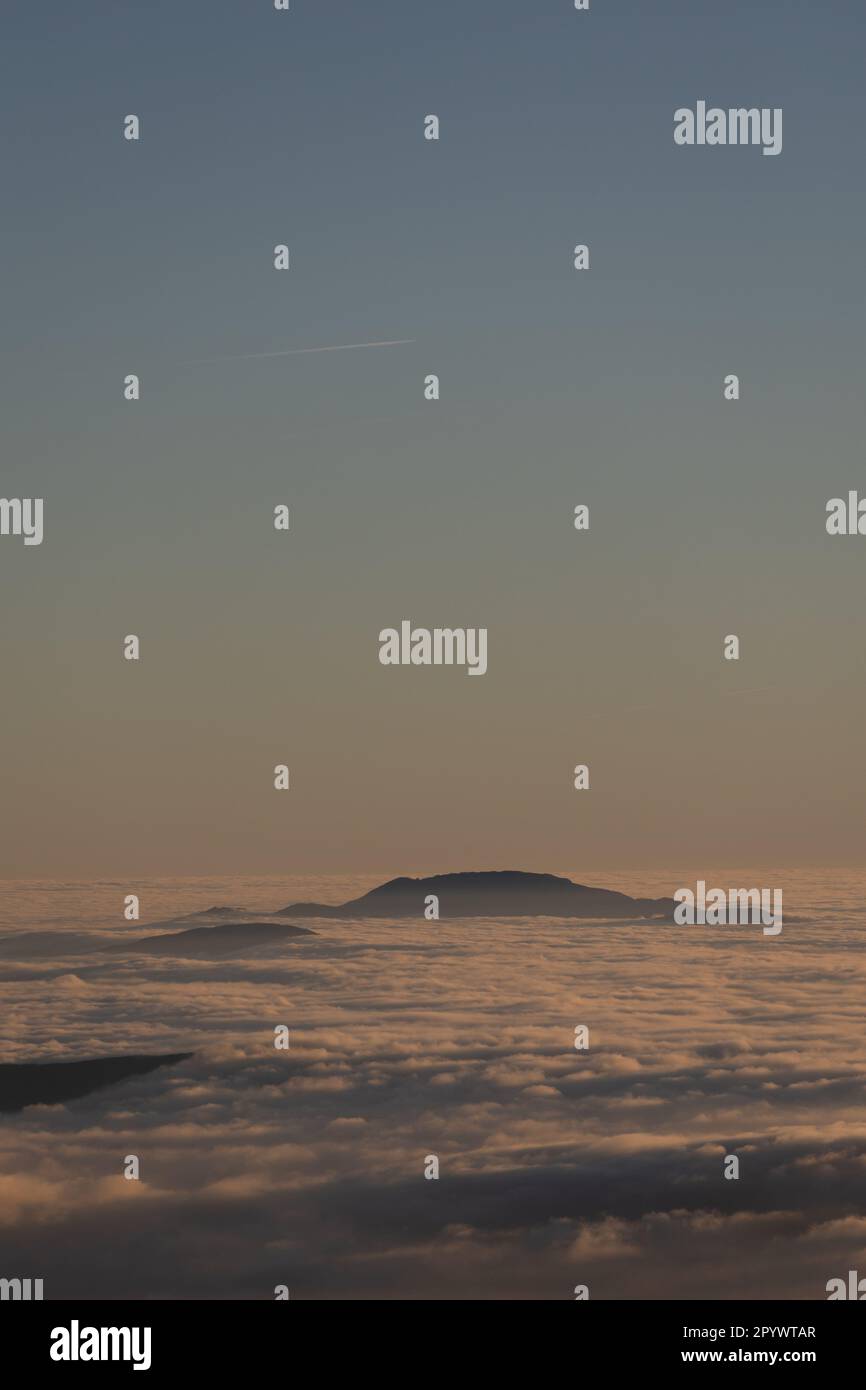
[[557, 1166]]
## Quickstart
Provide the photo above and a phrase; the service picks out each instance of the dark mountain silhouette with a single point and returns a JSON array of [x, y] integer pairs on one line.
[[504, 893], [217, 912], [227, 939], [53, 1083], [208, 917], [31, 945]]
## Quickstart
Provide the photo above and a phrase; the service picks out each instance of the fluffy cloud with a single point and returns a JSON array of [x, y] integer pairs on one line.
[[558, 1166]]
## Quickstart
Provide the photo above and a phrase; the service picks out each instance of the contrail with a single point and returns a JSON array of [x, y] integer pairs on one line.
[[292, 352]]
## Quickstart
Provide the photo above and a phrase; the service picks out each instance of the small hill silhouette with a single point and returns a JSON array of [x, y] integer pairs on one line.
[[500, 893], [54, 1083], [227, 939]]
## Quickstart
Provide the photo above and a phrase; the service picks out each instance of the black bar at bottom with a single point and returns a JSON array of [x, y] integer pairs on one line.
[[155, 1338]]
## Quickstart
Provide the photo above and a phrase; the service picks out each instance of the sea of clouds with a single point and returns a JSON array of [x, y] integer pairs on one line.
[[558, 1167]]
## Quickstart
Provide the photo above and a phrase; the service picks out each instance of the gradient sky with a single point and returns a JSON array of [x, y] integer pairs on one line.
[[259, 648]]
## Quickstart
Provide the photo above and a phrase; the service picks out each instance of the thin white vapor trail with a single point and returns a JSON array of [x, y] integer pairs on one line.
[[293, 352]]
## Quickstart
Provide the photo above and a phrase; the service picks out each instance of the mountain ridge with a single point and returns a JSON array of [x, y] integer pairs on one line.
[[57, 1082], [214, 942], [490, 893]]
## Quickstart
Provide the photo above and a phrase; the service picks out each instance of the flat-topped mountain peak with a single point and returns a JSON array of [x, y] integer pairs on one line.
[[488, 893]]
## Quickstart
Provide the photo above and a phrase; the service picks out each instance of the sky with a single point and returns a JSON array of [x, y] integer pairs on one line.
[[603, 387]]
